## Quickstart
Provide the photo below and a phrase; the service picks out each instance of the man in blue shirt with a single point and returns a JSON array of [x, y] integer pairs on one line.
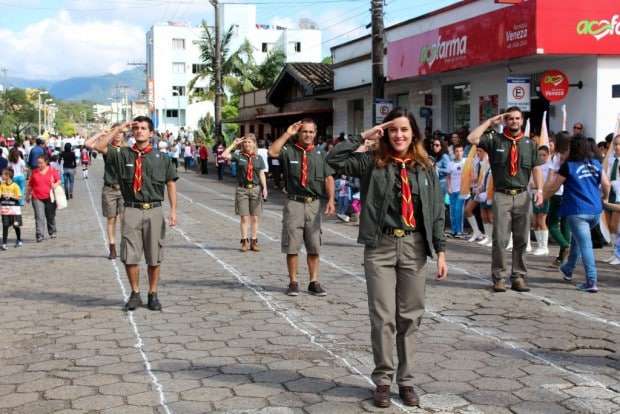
[[35, 153]]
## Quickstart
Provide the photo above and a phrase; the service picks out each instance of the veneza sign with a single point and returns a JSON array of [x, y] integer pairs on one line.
[[530, 28]]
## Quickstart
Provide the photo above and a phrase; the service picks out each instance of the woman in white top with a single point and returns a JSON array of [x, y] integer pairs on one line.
[[558, 227], [188, 155], [19, 172]]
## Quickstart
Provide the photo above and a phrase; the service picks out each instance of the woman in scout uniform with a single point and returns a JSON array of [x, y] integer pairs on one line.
[[252, 187], [111, 198], [402, 223]]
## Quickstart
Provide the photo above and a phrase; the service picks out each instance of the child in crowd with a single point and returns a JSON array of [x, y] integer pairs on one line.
[[540, 213], [343, 189], [455, 169], [85, 161], [9, 208], [473, 202]]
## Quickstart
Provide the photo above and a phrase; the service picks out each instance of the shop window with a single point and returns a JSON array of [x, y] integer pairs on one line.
[[402, 100], [458, 99], [356, 120]]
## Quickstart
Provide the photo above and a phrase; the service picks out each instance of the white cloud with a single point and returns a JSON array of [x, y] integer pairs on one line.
[[62, 47]]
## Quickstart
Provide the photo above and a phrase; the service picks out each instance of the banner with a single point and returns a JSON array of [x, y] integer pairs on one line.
[[518, 93]]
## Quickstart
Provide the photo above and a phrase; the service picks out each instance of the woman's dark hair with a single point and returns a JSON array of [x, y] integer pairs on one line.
[[443, 149], [562, 142], [67, 147], [596, 154], [14, 155], [416, 151], [580, 149]]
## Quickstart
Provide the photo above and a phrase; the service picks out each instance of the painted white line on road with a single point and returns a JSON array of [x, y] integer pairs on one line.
[[276, 309], [139, 345], [548, 301], [589, 381], [268, 212], [359, 276]]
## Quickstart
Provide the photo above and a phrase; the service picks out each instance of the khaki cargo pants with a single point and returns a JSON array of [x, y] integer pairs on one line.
[[396, 285], [143, 233]]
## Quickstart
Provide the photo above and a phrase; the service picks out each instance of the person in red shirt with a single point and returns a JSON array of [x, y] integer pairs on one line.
[[203, 153], [40, 184]]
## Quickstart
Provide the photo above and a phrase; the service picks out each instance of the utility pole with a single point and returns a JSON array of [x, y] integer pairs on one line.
[[378, 78], [218, 72]]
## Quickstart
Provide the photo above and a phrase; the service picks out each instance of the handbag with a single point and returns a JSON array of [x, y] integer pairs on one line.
[[58, 196]]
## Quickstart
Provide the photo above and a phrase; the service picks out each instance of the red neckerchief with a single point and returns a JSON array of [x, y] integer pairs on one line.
[[407, 206], [137, 171], [513, 156], [249, 174], [304, 163]]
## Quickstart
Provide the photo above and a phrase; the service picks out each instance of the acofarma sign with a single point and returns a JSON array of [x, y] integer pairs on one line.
[[599, 28], [443, 49]]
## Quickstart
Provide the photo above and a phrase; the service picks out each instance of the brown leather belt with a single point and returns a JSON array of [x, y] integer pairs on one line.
[[143, 206]]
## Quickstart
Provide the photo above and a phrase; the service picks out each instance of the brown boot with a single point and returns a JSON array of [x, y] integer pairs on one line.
[[245, 245], [382, 396], [254, 245], [519, 285], [499, 286], [112, 254], [409, 397]]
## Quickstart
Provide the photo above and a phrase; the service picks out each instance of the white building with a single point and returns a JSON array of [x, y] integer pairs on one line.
[[453, 66], [173, 59]]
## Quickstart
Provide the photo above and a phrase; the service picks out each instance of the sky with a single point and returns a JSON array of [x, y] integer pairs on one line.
[[58, 39]]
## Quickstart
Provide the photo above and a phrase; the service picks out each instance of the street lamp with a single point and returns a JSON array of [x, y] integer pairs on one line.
[[178, 95], [39, 108], [46, 107]]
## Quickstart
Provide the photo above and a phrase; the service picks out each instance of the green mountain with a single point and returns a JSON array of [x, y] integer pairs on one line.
[[91, 88]]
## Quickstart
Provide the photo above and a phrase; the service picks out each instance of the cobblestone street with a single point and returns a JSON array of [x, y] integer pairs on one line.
[[229, 340]]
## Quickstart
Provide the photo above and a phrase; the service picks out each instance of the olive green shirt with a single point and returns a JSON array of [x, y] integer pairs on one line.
[[318, 170], [157, 171], [394, 217], [242, 168], [498, 148], [109, 172]]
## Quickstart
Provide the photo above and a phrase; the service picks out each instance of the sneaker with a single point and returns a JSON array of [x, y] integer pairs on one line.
[[586, 287], [40, 239], [293, 289], [134, 301], [475, 237], [342, 217], [615, 261], [540, 251], [489, 243], [18, 243], [153, 302], [610, 258], [565, 275], [3, 247], [519, 285], [53, 236], [314, 288], [483, 241]]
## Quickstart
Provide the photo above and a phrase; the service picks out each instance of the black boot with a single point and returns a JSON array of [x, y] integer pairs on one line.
[[153, 303]]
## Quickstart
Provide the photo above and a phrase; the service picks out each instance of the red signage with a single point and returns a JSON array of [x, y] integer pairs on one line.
[[578, 27], [503, 34], [554, 85], [533, 27]]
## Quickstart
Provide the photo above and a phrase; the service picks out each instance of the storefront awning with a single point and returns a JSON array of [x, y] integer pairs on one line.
[[295, 113]]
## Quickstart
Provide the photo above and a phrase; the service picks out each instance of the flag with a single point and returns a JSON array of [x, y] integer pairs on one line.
[[564, 118], [544, 133], [527, 128]]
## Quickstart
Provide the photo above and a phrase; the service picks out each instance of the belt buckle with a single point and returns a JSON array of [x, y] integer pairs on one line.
[[308, 200], [513, 192], [249, 186], [146, 206], [399, 233]]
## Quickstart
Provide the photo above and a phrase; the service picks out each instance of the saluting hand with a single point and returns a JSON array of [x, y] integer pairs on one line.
[[376, 132], [497, 119], [294, 129]]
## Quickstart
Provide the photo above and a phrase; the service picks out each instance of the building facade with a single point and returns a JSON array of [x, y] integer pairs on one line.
[[173, 60], [459, 65]]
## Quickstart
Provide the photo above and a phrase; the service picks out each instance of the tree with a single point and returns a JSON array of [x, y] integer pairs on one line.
[[268, 71], [20, 114]]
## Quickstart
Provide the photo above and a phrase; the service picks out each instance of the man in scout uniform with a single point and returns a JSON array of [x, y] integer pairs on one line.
[[308, 180], [144, 174], [111, 198], [513, 158], [252, 187]]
